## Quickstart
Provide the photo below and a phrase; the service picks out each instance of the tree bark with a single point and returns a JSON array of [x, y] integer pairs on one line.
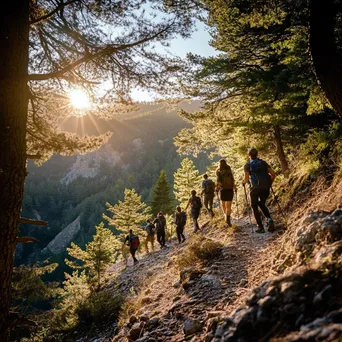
[[14, 32], [324, 54], [280, 151]]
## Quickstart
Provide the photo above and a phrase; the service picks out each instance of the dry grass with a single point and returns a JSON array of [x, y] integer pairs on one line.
[[199, 252]]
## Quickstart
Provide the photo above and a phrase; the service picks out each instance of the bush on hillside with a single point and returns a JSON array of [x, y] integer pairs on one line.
[[99, 308], [200, 251]]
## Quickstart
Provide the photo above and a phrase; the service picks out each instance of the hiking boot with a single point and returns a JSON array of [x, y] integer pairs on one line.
[[228, 221], [183, 240], [260, 230], [270, 225]]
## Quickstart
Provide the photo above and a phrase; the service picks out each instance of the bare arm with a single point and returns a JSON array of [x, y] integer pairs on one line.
[[271, 173], [246, 179], [186, 208]]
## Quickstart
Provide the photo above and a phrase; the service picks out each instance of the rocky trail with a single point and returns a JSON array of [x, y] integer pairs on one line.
[[166, 304]]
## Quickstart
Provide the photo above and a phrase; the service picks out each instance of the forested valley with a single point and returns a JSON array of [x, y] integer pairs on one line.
[[83, 162]]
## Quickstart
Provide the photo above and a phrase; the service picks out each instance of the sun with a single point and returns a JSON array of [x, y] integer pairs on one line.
[[79, 99]]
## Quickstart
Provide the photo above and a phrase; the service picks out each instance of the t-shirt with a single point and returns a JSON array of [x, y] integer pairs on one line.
[[248, 169], [196, 203], [208, 187]]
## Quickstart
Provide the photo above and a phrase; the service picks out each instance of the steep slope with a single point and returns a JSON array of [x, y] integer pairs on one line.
[[283, 286], [166, 303]]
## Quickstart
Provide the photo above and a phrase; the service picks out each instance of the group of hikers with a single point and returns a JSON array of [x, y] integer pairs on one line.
[[257, 173]]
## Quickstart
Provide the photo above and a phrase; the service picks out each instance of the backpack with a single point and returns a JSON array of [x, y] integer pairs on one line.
[[209, 187], [259, 176], [182, 219], [134, 242], [150, 229], [161, 223], [225, 179], [196, 202]]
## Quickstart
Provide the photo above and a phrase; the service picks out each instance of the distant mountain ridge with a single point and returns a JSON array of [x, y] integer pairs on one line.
[[65, 190]]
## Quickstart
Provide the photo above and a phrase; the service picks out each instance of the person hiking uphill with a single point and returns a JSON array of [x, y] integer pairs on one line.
[[160, 223], [180, 224], [150, 230], [196, 205], [133, 243], [226, 186], [260, 177], [208, 193]]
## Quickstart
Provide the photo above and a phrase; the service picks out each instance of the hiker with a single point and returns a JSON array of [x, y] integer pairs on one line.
[[208, 193], [150, 230], [160, 223], [196, 205], [260, 177], [133, 243], [180, 224], [226, 187]]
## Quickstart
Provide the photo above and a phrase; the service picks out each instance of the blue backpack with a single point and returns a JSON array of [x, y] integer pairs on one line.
[[259, 176]]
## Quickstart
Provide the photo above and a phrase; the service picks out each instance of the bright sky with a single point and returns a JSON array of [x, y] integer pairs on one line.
[[197, 44]]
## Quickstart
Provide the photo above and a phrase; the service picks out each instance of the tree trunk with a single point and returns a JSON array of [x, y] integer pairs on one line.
[[14, 31], [325, 57], [280, 151]]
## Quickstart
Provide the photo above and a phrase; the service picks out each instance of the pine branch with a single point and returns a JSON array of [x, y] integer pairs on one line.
[[52, 13], [33, 222], [33, 156], [26, 239], [106, 51]]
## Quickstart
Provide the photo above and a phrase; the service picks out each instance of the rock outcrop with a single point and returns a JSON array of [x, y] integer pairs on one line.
[[88, 165], [64, 238]]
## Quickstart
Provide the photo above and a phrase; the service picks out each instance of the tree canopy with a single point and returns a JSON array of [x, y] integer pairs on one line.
[[261, 88]]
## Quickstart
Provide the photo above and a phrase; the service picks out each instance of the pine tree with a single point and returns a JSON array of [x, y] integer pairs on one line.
[[162, 199], [186, 179], [97, 256], [259, 90], [51, 47], [74, 293], [129, 214]]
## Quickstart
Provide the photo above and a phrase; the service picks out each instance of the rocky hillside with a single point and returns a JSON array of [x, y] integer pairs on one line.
[[234, 285]]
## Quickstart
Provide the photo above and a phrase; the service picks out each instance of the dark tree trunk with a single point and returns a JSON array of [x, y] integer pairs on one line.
[[14, 31], [280, 150], [325, 58]]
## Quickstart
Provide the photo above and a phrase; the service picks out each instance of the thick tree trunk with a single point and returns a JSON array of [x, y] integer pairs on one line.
[[325, 58], [14, 30], [280, 151]]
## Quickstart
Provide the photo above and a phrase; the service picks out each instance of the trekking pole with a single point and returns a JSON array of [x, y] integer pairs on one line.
[[281, 212], [237, 205], [248, 207]]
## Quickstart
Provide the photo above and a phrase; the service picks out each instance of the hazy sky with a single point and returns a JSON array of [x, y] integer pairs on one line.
[[197, 44]]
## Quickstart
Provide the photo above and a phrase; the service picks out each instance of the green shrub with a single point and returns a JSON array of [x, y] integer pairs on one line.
[[322, 148], [99, 308], [200, 251]]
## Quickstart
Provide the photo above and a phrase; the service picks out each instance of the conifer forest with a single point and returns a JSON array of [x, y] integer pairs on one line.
[[170, 170]]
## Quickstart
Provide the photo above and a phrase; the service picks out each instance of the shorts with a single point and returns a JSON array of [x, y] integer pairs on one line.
[[227, 195], [195, 213]]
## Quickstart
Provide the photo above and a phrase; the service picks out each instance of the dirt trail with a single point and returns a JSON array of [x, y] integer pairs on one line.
[[222, 285]]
